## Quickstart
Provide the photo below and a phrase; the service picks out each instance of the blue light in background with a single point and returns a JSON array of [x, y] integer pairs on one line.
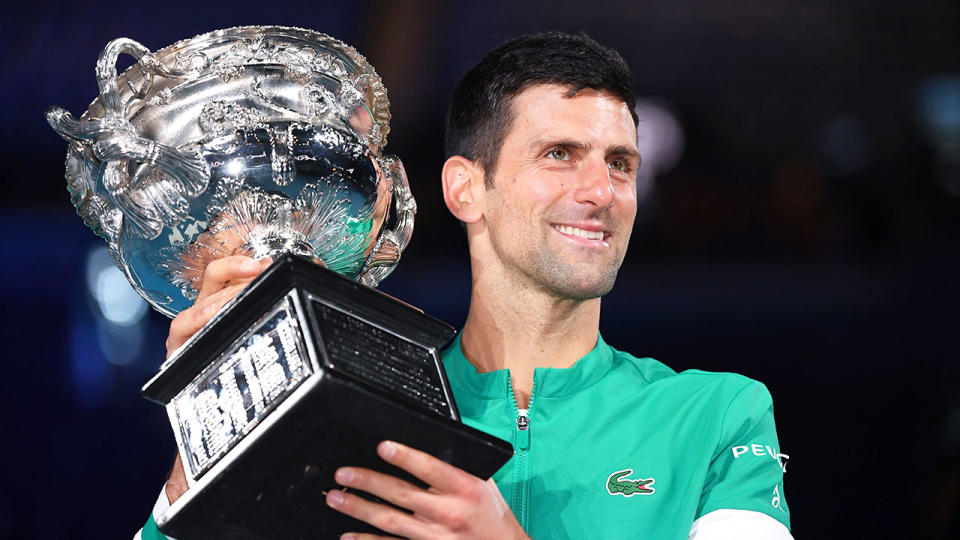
[[939, 105], [108, 333], [116, 299]]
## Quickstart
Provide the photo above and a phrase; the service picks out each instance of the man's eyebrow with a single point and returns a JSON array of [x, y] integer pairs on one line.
[[619, 150], [541, 144], [625, 151]]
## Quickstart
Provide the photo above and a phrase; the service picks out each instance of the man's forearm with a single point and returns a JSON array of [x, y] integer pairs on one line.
[[176, 481]]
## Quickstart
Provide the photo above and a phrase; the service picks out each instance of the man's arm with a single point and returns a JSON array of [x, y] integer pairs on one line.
[[744, 490], [223, 279], [176, 482], [456, 505]]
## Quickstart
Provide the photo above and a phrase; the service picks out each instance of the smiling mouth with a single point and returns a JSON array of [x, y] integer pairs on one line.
[[581, 233]]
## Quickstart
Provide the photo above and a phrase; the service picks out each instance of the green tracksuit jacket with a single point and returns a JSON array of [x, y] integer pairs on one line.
[[624, 447]]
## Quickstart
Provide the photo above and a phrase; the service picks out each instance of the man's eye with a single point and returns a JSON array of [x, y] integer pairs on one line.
[[618, 164], [558, 153]]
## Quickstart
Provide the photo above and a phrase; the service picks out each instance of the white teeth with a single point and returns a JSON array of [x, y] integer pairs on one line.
[[573, 231]]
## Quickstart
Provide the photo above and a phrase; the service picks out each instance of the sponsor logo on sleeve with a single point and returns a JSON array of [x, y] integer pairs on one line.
[[619, 484], [761, 450], [775, 502]]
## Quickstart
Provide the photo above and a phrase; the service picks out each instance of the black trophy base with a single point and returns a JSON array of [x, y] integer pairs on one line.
[[369, 352], [276, 488]]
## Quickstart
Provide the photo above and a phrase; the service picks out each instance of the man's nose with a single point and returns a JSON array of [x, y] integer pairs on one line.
[[594, 186]]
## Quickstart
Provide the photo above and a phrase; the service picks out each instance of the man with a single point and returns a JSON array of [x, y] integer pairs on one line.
[[541, 169]]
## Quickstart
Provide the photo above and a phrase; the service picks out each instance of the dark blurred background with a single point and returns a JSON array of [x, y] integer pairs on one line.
[[798, 224]]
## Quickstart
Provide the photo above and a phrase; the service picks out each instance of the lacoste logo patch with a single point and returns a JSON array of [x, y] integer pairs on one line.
[[618, 485]]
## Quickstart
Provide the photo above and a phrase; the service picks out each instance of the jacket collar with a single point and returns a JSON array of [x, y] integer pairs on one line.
[[549, 382]]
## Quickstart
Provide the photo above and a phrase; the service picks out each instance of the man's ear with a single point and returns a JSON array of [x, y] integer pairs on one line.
[[463, 189]]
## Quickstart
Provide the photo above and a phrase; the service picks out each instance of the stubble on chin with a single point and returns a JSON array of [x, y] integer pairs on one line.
[[565, 281]]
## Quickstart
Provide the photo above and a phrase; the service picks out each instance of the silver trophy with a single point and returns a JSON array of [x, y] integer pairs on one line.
[[246, 141], [267, 142]]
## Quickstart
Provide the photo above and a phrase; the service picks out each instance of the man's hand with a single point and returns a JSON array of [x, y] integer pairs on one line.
[[222, 280], [457, 504]]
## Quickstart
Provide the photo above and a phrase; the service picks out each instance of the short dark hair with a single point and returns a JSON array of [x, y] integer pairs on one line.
[[480, 112]]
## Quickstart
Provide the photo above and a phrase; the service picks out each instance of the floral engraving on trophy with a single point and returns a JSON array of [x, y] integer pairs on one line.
[[297, 61], [163, 97], [351, 93], [376, 134], [318, 101], [192, 62], [218, 117], [281, 161]]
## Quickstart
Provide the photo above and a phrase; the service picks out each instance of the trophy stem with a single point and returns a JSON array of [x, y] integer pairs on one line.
[[273, 246]]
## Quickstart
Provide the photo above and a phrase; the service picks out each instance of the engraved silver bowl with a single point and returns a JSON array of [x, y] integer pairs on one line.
[[254, 141]]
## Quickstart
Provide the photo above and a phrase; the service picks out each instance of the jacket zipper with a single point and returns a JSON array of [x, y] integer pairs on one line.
[[521, 445]]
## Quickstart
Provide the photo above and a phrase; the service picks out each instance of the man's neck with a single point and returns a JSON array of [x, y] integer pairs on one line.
[[526, 329]]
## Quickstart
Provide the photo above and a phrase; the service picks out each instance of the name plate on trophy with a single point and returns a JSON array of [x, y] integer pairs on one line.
[[240, 387]]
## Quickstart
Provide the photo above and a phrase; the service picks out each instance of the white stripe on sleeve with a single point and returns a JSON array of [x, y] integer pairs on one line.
[[728, 524]]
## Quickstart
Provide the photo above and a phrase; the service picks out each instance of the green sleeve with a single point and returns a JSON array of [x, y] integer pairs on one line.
[[746, 472], [150, 531]]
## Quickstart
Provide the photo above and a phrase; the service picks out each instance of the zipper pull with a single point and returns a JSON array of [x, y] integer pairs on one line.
[[523, 421], [523, 429]]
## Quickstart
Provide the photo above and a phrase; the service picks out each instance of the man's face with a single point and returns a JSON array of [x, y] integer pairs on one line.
[[563, 199]]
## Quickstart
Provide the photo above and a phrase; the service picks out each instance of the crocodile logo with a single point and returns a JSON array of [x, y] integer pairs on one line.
[[618, 485]]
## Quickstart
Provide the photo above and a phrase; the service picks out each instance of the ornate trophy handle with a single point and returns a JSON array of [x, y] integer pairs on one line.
[[397, 230], [115, 142], [107, 73]]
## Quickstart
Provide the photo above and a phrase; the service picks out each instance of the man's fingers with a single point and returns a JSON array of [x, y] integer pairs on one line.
[[382, 517], [222, 280], [457, 505], [432, 471], [209, 306], [365, 536], [221, 272], [389, 488], [192, 319]]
